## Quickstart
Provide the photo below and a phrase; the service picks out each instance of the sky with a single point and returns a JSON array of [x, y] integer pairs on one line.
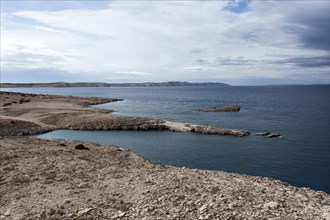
[[240, 42]]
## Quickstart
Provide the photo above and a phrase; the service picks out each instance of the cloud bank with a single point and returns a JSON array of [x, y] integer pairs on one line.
[[237, 42]]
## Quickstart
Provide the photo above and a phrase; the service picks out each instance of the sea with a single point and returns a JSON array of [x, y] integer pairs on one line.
[[299, 113]]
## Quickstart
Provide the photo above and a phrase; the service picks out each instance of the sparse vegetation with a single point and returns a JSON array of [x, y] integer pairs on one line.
[[22, 100]]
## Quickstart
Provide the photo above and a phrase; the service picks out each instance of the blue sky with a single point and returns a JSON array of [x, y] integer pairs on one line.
[[240, 42]]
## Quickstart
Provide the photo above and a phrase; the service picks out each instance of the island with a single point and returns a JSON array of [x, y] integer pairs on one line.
[[61, 179]]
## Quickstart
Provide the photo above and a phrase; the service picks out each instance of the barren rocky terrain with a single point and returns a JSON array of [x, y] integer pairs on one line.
[[42, 179], [58, 179]]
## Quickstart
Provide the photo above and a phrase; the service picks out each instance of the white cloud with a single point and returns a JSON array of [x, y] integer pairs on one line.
[[136, 73], [48, 29], [135, 39]]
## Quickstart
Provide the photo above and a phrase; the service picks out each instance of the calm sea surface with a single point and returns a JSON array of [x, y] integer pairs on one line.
[[299, 113]]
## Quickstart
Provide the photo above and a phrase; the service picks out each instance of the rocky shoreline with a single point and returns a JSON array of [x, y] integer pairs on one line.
[[26, 114], [58, 179]]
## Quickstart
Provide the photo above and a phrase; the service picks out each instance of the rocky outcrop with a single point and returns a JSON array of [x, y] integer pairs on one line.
[[268, 134], [9, 126], [81, 147], [228, 108], [203, 129]]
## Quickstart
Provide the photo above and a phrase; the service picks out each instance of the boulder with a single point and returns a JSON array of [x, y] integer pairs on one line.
[[271, 135], [268, 134], [81, 147], [263, 133]]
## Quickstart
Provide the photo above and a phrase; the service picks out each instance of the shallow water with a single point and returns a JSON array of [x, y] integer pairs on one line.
[[299, 113]]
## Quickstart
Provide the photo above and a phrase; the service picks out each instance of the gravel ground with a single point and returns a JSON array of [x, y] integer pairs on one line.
[[43, 179]]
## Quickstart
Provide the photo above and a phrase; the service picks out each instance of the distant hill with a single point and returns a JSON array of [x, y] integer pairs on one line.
[[100, 84]]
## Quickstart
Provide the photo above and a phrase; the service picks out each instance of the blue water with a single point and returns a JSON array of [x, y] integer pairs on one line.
[[299, 113]]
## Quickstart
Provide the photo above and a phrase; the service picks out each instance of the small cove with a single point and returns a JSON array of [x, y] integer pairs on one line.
[[213, 152]]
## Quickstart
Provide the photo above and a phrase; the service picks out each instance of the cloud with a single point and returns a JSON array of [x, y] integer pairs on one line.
[[298, 61], [136, 73], [306, 23], [24, 75], [30, 60], [310, 23], [24, 5], [304, 61], [176, 40], [47, 29]]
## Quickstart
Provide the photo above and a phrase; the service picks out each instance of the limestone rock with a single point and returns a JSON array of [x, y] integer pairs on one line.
[[228, 108], [84, 211], [268, 134]]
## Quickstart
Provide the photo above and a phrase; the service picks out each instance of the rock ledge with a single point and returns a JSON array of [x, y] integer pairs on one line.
[[228, 108]]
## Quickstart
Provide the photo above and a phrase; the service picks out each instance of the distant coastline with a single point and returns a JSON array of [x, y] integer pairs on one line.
[[102, 84]]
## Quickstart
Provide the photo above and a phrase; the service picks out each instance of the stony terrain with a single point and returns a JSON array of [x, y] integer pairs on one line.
[[42, 179]]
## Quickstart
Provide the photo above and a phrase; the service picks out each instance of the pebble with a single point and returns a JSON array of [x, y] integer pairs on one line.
[[203, 208], [84, 211], [43, 215], [121, 214], [271, 205], [7, 213]]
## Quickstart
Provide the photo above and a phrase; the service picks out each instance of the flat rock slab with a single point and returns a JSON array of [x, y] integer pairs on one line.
[[268, 134], [228, 108]]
